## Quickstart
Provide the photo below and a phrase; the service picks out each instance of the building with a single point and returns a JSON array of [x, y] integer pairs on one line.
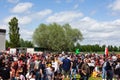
[[2, 39]]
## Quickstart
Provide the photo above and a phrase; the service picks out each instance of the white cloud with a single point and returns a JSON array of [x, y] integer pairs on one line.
[[93, 12], [7, 19], [6, 27], [3, 26], [26, 34], [91, 28], [64, 17], [25, 20], [67, 1], [22, 7], [95, 30], [115, 6], [76, 6], [104, 32], [13, 1], [21, 20], [43, 13]]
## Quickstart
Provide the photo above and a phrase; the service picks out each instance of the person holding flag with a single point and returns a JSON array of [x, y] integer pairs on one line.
[[106, 51]]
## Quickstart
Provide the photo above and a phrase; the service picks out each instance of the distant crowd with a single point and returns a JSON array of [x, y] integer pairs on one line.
[[48, 66]]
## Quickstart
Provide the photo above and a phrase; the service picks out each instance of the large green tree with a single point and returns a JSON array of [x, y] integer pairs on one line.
[[14, 35], [56, 37]]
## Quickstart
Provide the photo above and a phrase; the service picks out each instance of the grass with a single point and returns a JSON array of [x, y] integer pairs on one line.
[[97, 78], [91, 78], [109, 52]]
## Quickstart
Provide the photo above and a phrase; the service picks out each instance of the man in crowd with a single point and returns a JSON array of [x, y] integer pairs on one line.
[[66, 66], [85, 70]]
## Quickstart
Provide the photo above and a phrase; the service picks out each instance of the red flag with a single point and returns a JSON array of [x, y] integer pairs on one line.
[[106, 52]]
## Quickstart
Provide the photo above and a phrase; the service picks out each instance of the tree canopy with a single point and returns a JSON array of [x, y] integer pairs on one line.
[[26, 43], [14, 33], [56, 37]]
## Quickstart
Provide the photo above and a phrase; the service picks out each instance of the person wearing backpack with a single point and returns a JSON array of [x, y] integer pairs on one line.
[[109, 71], [66, 66]]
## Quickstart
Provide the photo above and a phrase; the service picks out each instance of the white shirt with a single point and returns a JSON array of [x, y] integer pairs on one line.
[[55, 65], [22, 77], [32, 79]]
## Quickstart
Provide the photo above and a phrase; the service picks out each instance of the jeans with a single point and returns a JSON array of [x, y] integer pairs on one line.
[[109, 75], [85, 77], [104, 73], [73, 74]]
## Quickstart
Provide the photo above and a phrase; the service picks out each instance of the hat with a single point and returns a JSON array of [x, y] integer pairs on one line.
[[114, 58]]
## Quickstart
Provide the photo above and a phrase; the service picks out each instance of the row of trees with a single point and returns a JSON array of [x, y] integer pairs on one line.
[[53, 37], [23, 43], [14, 36], [96, 48]]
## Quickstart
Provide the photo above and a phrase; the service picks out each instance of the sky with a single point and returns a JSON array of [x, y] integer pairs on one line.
[[98, 20]]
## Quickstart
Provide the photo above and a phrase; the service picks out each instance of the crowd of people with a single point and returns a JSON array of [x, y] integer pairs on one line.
[[48, 66]]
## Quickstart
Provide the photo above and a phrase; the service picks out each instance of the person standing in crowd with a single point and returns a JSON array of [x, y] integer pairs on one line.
[[85, 69], [109, 71], [31, 65], [60, 59], [104, 70], [12, 73], [21, 76], [42, 70], [80, 63], [117, 70], [32, 75], [74, 67], [114, 63], [55, 65], [66, 67], [5, 72], [36, 63], [50, 72]]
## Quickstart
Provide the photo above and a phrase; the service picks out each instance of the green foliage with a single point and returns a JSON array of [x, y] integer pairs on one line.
[[96, 48], [56, 37], [7, 44], [26, 43], [14, 33]]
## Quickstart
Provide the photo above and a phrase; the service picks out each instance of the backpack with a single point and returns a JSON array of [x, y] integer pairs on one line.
[[108, 66]]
